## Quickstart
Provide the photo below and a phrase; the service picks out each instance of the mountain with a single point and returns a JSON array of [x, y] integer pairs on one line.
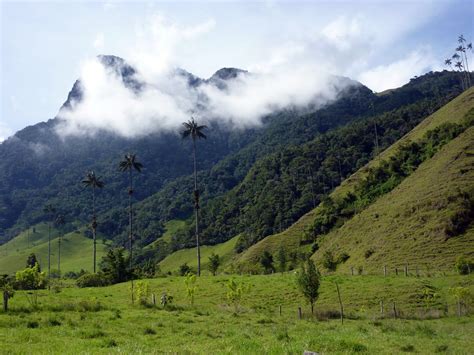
[[39, 167], [424, 220]]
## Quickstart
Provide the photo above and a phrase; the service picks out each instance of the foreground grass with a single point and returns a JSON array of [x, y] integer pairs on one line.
[[103, 320]]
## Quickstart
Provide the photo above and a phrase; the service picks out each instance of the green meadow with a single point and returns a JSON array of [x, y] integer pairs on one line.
[[103, 320]]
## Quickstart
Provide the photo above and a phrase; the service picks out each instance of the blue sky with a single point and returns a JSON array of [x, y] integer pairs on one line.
[[44, 45]]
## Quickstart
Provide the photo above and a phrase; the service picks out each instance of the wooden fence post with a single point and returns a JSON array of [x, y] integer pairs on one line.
[[153, 299], [352, 270], [300, 315], [381, 308], [279, 309], [394, 310], [385, 270], [396, 271], [340, 303], [406, 269]]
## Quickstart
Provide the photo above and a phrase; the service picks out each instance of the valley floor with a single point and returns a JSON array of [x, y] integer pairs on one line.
[[103, 320]]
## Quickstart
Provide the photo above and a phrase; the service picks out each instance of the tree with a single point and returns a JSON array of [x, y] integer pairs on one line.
[[6, 289], [214, 263], [191, 287], [59, 222], [31, 261], [128, 165], [267, 262], [49, 211], [308, 280], [194, 131], [94, 183], [114, 266], [282, 259], [462, 49]]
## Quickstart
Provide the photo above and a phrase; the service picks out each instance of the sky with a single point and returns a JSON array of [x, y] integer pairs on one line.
[[291, 45]]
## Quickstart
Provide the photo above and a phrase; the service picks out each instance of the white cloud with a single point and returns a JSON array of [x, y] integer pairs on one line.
[[399, 72], [5, 131], [99, 41]]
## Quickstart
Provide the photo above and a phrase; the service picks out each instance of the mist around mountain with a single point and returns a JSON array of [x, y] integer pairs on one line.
[[254, 179]]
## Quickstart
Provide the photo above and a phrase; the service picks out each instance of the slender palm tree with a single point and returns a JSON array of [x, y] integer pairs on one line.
[[94, 182], [194, 131], [458, 65], [49, 210], [58, 223], [462, 50], [129, 164]]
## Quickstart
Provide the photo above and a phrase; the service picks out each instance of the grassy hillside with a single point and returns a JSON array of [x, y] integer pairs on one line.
[[453, 112], [97, 320], [408, 225], [175, 260], [76, 250]]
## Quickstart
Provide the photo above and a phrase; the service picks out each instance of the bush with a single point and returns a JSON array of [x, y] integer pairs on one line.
[[369, 252], [74, 275], [92, 280], [328, 261], [30, 279], [184, 269], [464, 265]]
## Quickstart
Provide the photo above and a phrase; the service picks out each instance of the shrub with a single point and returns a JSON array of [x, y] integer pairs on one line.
[[369, 252], [464, 265], [142, 292], [267, 262], [184, 269], [328, 261], [235, 292], [191, 287], [343, 258], [92, 280], [30, 279]]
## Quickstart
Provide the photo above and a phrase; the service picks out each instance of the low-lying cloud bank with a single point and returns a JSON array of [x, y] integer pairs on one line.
[[108, 104]]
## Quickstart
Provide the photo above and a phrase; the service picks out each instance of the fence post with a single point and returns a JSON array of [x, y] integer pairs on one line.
[[394, 310], [340, 303], [385, 270], [406, 269], [381, 308], [352, 270], [299, 313], [396, 271], [417, 271], [153, 299], [279, 309]]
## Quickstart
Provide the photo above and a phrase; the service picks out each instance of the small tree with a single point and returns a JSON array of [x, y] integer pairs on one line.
[[191, 287], [308, 280], [184, 269], [114, 266], [329, 261], [6, 289], [32, 261], [214, 263], [282, 259], [267, 262], [235, 292]]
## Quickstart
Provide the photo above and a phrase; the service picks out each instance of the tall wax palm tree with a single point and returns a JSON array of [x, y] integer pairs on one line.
[[194, 131], [59, 222], [94, 182], [458, 65], [49, 210], [462, 50], [129, 164]]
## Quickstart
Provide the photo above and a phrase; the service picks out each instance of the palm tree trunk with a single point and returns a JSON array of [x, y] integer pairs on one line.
[[468, 73], [94, 226], [49, 250], [130, 233], [196, 208], [59, 256]]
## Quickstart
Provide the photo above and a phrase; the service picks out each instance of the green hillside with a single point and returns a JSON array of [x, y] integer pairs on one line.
[[76, 250], [225, 251], [448, 163]]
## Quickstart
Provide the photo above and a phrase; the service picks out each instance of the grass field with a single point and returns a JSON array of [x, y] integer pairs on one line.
[[102, 320], [76, 250]]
